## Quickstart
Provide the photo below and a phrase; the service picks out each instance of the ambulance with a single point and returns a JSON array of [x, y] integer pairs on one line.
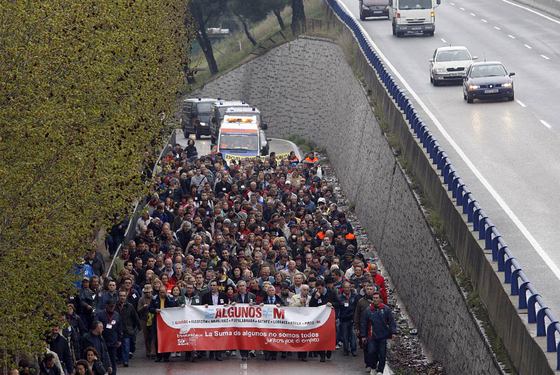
[[241, 137]]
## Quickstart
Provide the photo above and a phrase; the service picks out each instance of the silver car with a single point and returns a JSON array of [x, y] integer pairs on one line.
[[449, 64]]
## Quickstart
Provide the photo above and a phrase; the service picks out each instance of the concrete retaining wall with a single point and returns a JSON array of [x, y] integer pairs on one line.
[[548, 6], [306, 88]]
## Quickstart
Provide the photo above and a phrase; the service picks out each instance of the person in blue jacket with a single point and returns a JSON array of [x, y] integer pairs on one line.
[[377, 325], [347, 301]]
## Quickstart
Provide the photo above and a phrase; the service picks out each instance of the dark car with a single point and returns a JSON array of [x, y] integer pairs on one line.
[[488, 80], [374, 8], [195, 116]]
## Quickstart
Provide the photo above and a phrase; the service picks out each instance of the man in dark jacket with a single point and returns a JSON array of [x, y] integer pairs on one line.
[[59, 345], [361, 306], [94, 338], [272, 299], [112, 332], [214, 297], [323, 296], [244, 296], [130, 324], [74, 331], [376, 326], [347, 302], [159, 302]]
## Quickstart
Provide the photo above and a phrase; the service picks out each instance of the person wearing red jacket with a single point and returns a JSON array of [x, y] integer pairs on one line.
[[379, 281]]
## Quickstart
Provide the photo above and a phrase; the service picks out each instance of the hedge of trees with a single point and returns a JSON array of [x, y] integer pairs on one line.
[[83, 89]]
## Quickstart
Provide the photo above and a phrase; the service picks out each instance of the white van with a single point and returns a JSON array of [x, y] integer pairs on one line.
[[413, 16], [241, 137]]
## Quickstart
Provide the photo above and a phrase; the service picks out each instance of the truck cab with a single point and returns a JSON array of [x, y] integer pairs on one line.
[[241, 137], [413, 17], [218, 112]]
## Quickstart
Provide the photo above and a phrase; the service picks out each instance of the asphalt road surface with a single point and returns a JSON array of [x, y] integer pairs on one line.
[[507, 152], [337, 365]]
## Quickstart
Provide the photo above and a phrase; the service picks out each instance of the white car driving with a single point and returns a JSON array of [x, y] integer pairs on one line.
[[449, 64]]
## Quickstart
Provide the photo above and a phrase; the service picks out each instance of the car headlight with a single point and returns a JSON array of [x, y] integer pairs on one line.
[[473, 87], [440, 70], [202, 124], [507, 85]]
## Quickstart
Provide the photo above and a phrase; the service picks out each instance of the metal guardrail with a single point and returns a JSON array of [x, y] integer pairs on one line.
[[141, 204], [528, 297]]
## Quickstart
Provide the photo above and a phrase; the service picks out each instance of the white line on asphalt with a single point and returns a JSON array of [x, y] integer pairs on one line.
[[545, 57], [483, 20], [532, 240], [511, 36], [521, 103], [532, 11], [497, 28], [528, 46], [472, 14], [453, 4], [546, 124], [463, 9], [443, 40]]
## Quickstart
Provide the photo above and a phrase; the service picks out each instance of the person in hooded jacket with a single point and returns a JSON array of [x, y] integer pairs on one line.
[[376, 327]]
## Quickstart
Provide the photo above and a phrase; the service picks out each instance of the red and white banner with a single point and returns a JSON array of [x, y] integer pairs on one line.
[[246, 327]]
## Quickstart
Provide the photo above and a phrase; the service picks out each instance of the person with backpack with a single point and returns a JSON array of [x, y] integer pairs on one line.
[[376, 326]]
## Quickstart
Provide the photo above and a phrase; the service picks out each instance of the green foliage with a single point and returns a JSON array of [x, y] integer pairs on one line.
[[82, 90]]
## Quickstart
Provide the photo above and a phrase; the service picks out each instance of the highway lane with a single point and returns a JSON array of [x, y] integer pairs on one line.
[[510, 156]]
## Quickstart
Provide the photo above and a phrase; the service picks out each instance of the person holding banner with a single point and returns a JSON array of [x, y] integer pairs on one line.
[[243, 296], [160, 302], [376, 326], [301, 300], [323, 296], [214, 297], [272, 299]]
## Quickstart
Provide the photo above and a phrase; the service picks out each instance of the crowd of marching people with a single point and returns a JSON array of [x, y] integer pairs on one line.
[[262, 230]]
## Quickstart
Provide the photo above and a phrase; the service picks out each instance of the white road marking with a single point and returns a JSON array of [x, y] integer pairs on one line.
[[463, 9], [497, 28], [443, 40], [483, 20], [546, 124], [452, 4], [528, 46], [511, 36], [521, 103], [532, 11], [472, 14], [532, 240], [545, 57]]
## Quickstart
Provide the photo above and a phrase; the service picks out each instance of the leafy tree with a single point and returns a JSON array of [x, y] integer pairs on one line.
[[298, 17], [83, 87], [248, 11], [276, 6], [204, 13]]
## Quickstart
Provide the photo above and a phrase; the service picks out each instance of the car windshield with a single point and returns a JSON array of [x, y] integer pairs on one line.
[[415, 4], [203, 107], [495, 70], [453, 55], [248, 142]]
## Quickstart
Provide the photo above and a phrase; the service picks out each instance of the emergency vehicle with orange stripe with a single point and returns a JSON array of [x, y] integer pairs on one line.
[[241, 137]]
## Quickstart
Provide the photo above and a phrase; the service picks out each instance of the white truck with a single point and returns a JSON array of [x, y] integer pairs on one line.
[[413, 16]]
